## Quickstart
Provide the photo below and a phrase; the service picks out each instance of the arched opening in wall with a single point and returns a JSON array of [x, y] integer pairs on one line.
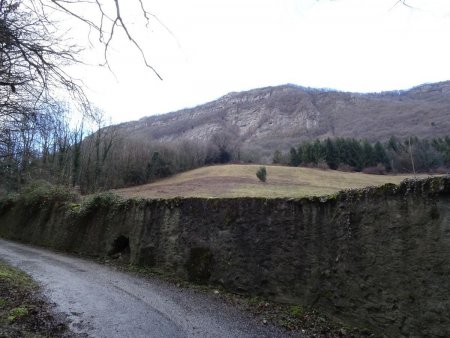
[[120, 248], [200, 265]]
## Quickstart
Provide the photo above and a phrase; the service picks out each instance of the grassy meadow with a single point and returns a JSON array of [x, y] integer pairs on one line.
[[240, 181]]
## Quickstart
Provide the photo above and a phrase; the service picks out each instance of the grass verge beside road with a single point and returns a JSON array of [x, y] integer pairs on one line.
[[23, 313]]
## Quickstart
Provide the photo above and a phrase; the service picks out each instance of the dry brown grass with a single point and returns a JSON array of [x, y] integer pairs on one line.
[[241, 181]]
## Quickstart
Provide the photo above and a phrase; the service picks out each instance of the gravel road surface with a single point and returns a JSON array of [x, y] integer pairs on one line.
[[102, 302]]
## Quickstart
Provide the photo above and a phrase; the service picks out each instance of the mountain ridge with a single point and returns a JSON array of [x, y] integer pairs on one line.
[[264, 119]]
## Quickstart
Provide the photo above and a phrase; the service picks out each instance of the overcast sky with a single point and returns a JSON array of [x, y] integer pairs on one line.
[[212, 47]]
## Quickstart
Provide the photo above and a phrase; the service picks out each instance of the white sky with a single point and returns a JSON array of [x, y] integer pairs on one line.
[[219, 46]]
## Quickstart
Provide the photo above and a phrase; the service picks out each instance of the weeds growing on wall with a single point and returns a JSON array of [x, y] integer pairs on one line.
[[7, 202], [41, 193], [103, 201]]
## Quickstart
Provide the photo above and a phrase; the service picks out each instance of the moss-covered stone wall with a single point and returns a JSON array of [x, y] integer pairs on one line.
[[378, 257]]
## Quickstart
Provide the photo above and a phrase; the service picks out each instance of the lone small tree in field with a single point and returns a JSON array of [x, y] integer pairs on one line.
[[262, 174]]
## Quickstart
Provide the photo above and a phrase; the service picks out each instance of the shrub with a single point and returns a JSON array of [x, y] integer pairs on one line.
[[40, 192], [323, 165], [7, 202], [17, 313], [104, 200], [262, 174], [442, 170], [346, 168], [378, 170]]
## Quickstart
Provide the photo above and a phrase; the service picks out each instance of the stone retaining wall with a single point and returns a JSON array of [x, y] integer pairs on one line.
[[378, 257]]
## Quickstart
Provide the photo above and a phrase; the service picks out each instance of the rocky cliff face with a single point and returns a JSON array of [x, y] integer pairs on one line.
[[378, 257], [277, 117]]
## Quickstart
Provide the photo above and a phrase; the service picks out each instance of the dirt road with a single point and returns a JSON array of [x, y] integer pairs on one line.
[[103, 302]]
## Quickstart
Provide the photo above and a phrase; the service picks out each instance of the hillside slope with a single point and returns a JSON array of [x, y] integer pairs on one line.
[[240, 181], [272, 118]]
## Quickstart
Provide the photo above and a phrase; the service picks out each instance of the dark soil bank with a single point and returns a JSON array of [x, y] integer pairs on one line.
[[377, 258]]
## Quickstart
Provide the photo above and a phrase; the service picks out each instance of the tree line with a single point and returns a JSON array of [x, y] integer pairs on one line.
[[37, 140], [92, 156], [348, 154]]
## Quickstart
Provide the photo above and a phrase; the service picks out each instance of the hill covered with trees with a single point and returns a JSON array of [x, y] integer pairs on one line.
[[255, 123], [376, 133]]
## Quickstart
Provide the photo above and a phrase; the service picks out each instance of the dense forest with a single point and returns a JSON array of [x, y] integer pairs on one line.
[[398, 156]]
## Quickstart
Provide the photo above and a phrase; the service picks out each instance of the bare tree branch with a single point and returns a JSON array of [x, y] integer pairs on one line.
[[403, 2], [34, 52], [115, 19]]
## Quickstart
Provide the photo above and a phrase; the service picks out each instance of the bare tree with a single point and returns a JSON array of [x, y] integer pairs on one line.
[[32, 57], [94, 152], [33, 51]]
